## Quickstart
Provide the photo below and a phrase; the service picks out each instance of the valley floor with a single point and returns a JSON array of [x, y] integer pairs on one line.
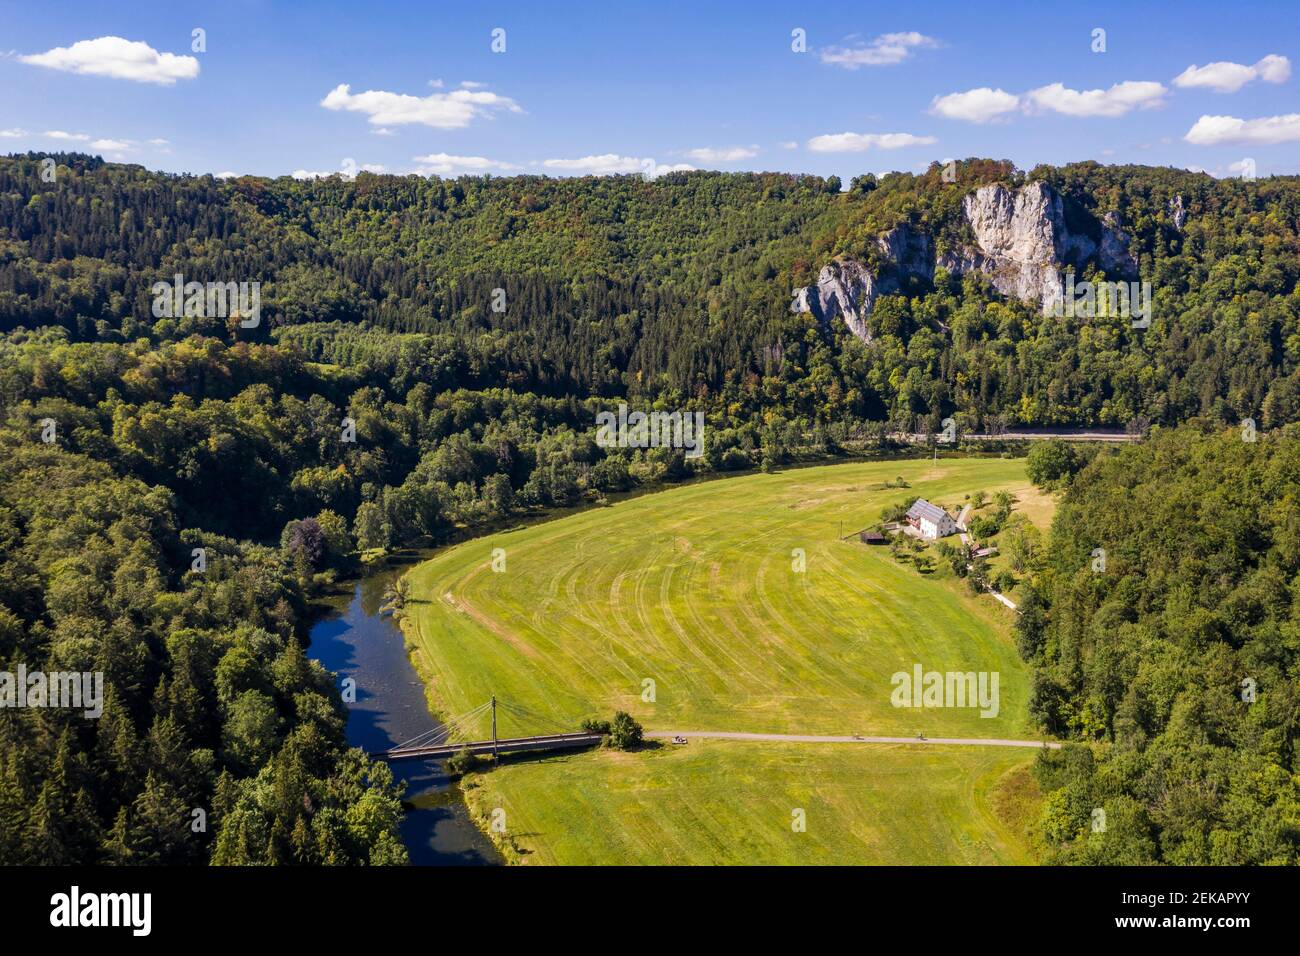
[[737, 803], [733, 605]]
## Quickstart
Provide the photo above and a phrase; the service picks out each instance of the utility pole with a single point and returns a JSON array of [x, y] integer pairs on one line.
[[494, 728]]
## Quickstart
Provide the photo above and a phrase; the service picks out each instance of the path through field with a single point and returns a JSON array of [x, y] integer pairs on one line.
[[831, 739]]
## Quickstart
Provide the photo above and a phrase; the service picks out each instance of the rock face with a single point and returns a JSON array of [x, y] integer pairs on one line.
[[1177, 213], [847, 288], [1022, 244], [1112, 253], [909, 251]]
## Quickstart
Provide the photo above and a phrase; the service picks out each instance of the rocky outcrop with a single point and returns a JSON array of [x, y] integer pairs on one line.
[[845, 288], [1112, 252], [1022, 243], [1177, 214], [848, 289], [908, 251]]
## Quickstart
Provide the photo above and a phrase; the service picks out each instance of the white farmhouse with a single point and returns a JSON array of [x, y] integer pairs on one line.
[[931, 520]]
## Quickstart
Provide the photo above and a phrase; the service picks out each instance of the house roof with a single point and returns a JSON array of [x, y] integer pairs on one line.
[[922, 509]]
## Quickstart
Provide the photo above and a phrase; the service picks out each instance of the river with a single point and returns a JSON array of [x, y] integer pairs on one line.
[[353, 640]]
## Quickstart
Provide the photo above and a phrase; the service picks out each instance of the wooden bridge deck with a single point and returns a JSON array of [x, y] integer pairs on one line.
[[507, 745]]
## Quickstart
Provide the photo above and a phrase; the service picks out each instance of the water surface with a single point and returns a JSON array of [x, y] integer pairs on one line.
[[354, 640]]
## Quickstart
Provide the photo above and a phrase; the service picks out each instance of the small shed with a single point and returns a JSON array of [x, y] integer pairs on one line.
[[871, 537]]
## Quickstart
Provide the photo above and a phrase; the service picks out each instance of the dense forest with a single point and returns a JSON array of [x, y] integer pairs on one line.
[[678, 289], [430, 357], [1164, 626]]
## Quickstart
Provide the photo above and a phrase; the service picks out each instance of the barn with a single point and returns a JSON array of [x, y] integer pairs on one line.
[[930, 520]]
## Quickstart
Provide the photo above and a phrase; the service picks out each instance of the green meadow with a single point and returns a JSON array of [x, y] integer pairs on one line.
[[726, 802], [732, 605]]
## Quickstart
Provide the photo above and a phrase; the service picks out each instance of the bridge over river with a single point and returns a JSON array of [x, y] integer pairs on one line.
[[458, 734]]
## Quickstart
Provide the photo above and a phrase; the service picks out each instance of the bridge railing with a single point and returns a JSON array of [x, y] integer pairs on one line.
[[508, 743]]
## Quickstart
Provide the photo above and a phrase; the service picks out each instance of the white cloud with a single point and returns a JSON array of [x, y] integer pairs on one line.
[[348, 169], [611, 164], [454, 110], [885, 50], [984, 104], [1227, 77], [444, 164], [1116, 101], [1267, 131], [471, 85], [382, 131], [118, 58], [860, 142], [975, 106], [789, 144], [606, 164], [227, 175], [726, 154], [103, 144]]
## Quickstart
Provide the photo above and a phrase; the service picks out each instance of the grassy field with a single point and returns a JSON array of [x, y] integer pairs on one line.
[[697, 590], [722, 802]]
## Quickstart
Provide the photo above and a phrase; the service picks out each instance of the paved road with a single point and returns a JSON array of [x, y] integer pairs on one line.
[[920, 438], [1003, 598], [821, 739], [1043, 436], [962, 519]]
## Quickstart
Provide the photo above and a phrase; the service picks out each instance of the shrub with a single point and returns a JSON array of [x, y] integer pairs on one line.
[[462, 762], [624, 732], [594, 726], [895, 512]]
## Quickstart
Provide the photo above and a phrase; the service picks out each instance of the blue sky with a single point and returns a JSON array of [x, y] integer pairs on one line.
[[603, 87]]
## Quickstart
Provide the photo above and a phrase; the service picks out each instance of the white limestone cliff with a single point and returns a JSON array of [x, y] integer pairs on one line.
[[1022, 243]]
